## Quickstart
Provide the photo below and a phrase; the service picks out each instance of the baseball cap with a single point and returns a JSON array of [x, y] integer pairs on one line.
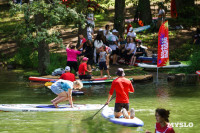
[[67, 68], [85, 58], [120, 72]]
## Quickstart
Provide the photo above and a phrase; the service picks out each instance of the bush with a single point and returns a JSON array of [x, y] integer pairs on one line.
[[183, 53], [56, 61]]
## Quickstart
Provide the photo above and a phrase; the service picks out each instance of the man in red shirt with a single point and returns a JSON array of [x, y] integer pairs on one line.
[[83, 68], [67, 75], [122, 86]]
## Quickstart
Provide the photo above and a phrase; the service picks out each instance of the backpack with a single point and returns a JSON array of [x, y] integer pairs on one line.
[[58, 71]]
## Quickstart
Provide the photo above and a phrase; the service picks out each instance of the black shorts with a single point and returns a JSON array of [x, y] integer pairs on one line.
[[119, 106], [84, 77], [102, 66], [73, 64], [90, 61], [115, 52]]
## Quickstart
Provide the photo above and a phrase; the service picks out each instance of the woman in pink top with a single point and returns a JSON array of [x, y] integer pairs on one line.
[[72, 57]]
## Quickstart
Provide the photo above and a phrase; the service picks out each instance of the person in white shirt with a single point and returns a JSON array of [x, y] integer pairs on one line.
[[131, 51], [113, 44], [161, 15], [131, 33], [98, 43]]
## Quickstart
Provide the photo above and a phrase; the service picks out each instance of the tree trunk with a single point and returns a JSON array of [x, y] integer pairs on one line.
[[119, 21], [145, 11], [80, 29], [43, 57], [43, 48], [184, 8]]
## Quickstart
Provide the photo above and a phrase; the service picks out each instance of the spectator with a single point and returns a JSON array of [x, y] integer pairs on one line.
[[83, 69], [72, 56], [67, 75], [88, 52], [102, 61]]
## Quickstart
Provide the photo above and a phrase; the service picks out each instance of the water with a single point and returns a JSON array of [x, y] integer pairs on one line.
[[183, 101]]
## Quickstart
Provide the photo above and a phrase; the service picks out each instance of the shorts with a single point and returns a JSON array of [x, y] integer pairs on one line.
[[90, 61], [56, 90], [102, 66], [85, 77], [119, 106], [115, 52]]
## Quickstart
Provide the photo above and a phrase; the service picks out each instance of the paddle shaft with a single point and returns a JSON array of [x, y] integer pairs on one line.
[[103, 107]]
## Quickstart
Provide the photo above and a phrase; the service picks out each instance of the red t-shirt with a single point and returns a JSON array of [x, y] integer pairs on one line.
[[166, 129], [82, 68], [68, 76], [122, 86]]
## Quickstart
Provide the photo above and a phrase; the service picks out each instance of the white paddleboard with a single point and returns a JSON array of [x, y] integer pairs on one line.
[[145, 65], [108, 113], [47, 108]]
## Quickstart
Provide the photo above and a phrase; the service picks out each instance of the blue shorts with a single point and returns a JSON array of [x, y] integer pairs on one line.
[[56, 90]]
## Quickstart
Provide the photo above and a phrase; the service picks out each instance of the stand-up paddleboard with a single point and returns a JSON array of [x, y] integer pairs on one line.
[[108, 113], [98, 81], [74, 92], [140, 29], [198, 72], [42, 79], [153, 66], [47, 108]]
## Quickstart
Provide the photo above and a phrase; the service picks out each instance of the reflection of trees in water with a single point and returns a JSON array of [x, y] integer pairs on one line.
[[100, 89], [162, 93]]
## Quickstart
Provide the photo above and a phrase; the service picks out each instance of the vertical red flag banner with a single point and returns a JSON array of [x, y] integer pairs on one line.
[[163, 45], [173, 9]]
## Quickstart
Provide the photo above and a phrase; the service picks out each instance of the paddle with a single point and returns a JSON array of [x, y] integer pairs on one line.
[[90, 118]]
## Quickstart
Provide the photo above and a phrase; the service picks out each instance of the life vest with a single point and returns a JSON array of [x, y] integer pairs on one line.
[[140, 23]]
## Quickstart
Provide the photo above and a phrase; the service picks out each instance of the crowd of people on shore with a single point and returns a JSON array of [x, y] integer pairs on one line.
[[106, 48]]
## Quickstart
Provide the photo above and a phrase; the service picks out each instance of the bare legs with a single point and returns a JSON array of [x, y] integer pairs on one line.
[[107, 73], [133, 58], [114, 59], [63, 96]]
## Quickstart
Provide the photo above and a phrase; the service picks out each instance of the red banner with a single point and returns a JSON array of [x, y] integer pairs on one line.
[[163, 45]]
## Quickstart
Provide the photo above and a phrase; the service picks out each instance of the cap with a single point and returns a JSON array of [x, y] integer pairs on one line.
[[114, 30], [120, 72], [131, 28], [100, 29], [67, 68], [85, 58]]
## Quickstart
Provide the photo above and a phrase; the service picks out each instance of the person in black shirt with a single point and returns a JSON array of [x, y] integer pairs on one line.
[[140, 51]]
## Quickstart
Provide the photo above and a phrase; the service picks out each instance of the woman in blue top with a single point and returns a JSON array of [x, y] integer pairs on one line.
[[63, 88]]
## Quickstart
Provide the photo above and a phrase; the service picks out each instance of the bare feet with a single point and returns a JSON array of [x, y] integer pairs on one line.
[[55, 104]]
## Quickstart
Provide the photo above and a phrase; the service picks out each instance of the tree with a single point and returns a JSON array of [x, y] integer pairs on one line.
[[145, 11], [185, 8], [39, 27], [119, 15]]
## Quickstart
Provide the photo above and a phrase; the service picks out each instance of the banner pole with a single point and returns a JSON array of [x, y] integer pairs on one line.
[[157, 76]]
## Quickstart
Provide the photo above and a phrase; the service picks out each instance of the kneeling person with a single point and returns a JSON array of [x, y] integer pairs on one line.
[[122, 86], [63, 90], [83, 68]]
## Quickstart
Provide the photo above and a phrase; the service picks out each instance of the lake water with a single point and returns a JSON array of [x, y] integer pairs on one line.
[[182, 100]]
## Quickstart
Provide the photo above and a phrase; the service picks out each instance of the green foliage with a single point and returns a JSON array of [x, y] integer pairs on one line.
[[25, 57], [183, 53], [56, 61]]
